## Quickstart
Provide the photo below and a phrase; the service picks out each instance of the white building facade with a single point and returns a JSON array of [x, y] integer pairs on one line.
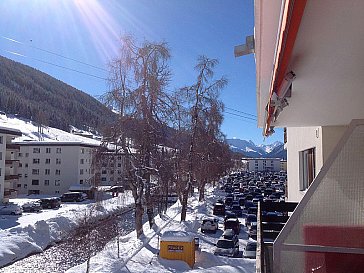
[[52, 167], [263, 164], [8, 163]]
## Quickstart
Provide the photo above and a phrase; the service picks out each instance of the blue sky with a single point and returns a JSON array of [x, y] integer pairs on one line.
[[88, 31]]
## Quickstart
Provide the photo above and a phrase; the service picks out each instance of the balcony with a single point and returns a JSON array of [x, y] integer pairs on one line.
[[15, 147], [11, 177], [9, 162], [325, 233]]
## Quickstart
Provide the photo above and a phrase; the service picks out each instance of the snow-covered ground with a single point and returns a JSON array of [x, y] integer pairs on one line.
[[33, 232], [141, 255]]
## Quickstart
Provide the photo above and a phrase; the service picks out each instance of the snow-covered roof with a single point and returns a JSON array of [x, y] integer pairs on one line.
[[55, 143], [10, 131], [176, 236]]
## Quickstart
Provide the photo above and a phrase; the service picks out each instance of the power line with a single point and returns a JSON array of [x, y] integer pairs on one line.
[[245, 113], [57, 65], [240, 116], [54, 53]]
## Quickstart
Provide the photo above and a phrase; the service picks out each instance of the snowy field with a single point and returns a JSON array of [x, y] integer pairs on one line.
[[142, 255], [33, 232]]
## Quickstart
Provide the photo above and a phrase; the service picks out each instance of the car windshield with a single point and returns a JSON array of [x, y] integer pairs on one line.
[[225, 244]]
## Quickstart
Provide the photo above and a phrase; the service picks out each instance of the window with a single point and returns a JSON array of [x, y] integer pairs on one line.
[[48, 150], [57, 182], [1, 156], [36, 150], [18, 185], [35, 182], [81, 161], [35, 171], [26, 175], [119, 165], [103, 178], [58, 161], [20, 175], [48, 161], [307, 169], [47, 171], [1, 139], [81, 171], [82, 150], [20, 154], [103, 172], [46, 182], [58, 150], [0, 171], [36, 160], [26, 154], [20, 165], [25, 186], [56, 192], [58, 172], [81, 181], [26, 165]]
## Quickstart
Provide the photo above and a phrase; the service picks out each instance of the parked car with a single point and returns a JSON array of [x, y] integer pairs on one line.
[[219, 209], [233, 224], [73, 197], [229, 201], [226, 247], [229, 215], [229, 234], [250, 219], [50, 203], [253, 231], [250, 250], [32, 207], [210, 225], [10, 209], [237, 210]]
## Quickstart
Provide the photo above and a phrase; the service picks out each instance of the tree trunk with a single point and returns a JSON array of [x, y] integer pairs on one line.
[[184, 206], [201, 191], [139, 219]]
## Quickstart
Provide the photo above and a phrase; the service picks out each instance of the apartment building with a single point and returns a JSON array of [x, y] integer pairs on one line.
[[52, 167], [263, 164], [8, 163]]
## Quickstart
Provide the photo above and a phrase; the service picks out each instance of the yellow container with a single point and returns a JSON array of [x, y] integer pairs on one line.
[[178, 245]]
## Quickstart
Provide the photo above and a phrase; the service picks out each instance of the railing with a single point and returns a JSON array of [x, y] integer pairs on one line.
[[11, 176], [13, 147], [268, 229], [326, 231]]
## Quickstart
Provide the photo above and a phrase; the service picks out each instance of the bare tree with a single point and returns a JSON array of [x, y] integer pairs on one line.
[[138, 79], [199, 95]]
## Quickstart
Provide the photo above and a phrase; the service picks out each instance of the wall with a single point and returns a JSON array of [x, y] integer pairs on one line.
[[324, 139], [300, 139]]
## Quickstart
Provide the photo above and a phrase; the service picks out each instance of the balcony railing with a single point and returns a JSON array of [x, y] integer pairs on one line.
[[11, 176], [325, 233], [13, 147]]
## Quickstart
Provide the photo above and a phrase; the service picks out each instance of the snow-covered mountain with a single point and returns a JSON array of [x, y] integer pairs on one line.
[[250, 149]]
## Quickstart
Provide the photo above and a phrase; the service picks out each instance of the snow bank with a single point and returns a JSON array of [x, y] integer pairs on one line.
[[40, 230]]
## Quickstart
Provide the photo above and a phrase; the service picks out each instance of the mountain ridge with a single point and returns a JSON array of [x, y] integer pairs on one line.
[[249, 149]]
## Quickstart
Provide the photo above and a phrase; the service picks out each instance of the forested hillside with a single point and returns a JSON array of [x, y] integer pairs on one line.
[[33, 94]]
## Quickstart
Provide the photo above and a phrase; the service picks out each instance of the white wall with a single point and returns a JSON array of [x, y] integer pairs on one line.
[[324, 139], [300, 139]]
